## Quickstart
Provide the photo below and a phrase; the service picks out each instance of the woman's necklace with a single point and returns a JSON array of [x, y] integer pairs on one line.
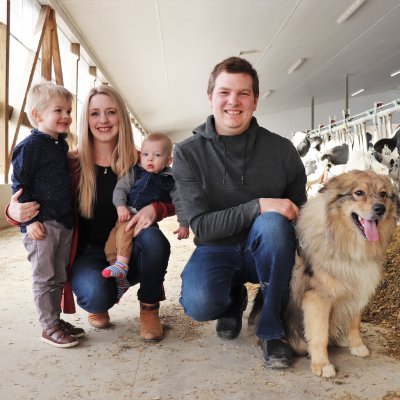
[[102, 168]]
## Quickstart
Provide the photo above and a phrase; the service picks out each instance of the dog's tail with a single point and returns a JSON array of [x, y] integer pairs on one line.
[[255, 312]]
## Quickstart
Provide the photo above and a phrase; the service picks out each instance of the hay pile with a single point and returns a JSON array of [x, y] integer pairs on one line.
[[384, 307]]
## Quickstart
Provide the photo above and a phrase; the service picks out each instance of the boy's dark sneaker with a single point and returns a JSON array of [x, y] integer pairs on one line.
[[72, 330], [230, 326], [57, 336], [277, 353]]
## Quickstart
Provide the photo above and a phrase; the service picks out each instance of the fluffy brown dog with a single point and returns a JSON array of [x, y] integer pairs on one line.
[[343, 234]]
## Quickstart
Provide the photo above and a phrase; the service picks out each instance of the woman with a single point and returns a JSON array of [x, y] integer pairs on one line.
[[106, 151]]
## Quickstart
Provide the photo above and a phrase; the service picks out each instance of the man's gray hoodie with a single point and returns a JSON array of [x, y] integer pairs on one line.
[[220, 179]]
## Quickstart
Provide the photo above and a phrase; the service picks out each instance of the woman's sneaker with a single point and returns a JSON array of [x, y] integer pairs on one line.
[[57, 336], [73, 330]]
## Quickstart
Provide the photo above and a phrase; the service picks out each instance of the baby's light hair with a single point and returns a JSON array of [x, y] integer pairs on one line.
[[157, 137], [40, 95]]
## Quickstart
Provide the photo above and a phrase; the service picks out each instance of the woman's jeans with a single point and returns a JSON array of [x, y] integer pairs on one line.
[[148, 266], [267, 258]]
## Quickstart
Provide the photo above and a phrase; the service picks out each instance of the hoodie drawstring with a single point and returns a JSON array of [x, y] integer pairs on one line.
[[243, 161], [225, 165]]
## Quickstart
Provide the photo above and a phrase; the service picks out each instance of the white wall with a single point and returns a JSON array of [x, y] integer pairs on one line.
[[5, 194]]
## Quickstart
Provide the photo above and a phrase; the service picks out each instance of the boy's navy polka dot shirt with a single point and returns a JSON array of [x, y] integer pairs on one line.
[[40, 167]]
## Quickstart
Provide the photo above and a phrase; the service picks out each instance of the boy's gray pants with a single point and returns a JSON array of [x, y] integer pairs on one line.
[[49, 258]]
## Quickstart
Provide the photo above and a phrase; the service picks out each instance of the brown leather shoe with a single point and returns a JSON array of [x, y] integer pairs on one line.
[[58, 337], [99, 320], [72, 330], [150, 325]]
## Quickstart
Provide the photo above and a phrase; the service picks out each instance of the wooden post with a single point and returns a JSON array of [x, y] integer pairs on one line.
[[93, 72], [31, 66], [46, 50], [76, 51], [55, 50], [4, 76]]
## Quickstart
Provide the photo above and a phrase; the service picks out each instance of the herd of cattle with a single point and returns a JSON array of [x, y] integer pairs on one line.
[[333, 155]]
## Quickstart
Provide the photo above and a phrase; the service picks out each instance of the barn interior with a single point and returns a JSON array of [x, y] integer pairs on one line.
[[330, 69]]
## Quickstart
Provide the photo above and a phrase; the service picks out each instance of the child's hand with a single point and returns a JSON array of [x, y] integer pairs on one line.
[[123, 214], [183, 232], [36, 231]]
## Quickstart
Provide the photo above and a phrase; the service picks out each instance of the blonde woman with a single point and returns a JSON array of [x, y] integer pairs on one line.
[[106, 152]]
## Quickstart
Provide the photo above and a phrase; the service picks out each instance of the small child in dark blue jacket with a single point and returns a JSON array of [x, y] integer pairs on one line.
[[147, 182]]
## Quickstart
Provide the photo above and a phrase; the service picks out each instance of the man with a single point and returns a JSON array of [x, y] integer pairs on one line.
[[241, 187]]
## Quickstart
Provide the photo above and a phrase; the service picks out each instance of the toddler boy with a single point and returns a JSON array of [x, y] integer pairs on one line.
[[40, 167], [149, 181]]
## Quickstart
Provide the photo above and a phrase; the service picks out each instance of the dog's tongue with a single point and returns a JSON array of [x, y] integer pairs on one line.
[[371, 230]]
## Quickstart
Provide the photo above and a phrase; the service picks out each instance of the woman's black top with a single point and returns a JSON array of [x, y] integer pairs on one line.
[[95, 231]]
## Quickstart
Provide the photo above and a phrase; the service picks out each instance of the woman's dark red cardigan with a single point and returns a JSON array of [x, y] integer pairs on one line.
[[68, 303]]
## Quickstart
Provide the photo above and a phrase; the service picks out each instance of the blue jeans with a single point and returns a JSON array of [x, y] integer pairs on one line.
[[148, 266], [267, 258]]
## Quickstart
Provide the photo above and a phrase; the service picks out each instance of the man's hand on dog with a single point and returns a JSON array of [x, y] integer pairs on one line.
[[282, 206]]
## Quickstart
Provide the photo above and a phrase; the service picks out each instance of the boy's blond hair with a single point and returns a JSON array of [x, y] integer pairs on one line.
[[157, 137], [40, 95]]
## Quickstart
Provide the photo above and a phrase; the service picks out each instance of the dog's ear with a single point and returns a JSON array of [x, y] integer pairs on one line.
[[396, 200], [323, 189], [328, 184], [340, 185], [330, 188]]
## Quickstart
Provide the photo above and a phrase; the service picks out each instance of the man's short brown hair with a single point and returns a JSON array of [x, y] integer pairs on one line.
[[234, 65]]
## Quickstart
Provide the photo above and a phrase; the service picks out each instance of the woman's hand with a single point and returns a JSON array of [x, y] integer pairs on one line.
[[143, 219], [22, 212]]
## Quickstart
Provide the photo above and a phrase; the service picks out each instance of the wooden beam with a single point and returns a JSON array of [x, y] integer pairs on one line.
[[4, 76], [31, 66], [72, 138], [75, 49], [93, 71], [55, 51], [25, 120], [46, 49]]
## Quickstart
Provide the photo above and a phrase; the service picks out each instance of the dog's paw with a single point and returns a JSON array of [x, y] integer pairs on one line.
[[325, 371], [360, 351]]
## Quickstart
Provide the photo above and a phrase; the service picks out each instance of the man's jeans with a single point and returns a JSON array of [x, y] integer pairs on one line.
[[266, 258]]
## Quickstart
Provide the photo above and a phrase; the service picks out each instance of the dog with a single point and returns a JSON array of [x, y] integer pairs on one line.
[[343, 233]]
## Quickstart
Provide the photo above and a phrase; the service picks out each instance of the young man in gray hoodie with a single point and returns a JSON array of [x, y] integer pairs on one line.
[[241, 187]]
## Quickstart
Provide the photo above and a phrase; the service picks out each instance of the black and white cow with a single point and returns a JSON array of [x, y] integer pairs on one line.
[[387, 151]]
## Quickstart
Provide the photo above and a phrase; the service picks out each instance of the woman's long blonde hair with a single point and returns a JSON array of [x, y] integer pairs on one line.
[[123, 157]]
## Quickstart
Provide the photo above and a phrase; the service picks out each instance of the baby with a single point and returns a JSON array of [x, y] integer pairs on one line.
[[147, 182]]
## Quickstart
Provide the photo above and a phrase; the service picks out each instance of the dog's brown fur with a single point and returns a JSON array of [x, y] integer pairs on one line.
[[337, 268]]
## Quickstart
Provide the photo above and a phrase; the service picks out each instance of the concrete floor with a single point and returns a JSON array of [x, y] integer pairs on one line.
[[190, 363]]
